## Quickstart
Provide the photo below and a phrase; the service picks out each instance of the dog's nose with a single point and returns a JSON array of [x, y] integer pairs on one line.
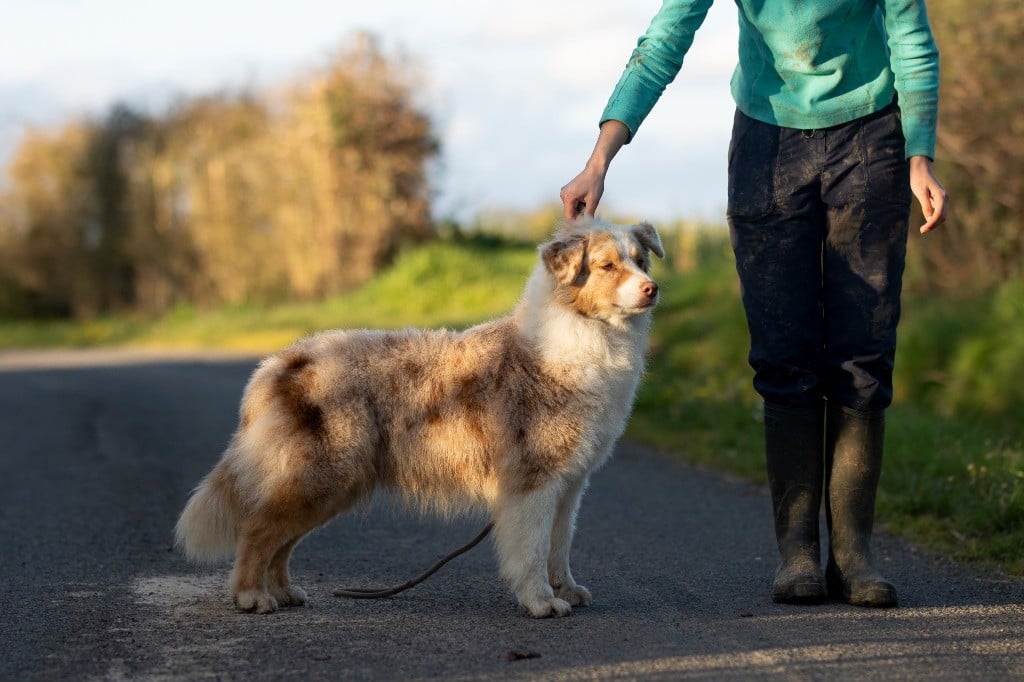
[[649, 289]]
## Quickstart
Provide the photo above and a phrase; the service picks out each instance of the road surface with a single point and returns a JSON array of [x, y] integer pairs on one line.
[[99, 451]]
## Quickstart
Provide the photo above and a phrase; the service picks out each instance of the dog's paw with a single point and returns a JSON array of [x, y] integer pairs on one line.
[[255, 601], [551, 607], [575, 595], [289, 595]]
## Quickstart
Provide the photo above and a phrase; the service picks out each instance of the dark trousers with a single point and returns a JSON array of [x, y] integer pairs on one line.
[[818, 220]]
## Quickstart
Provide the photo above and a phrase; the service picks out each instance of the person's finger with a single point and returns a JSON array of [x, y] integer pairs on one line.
[[941, 203], [934, 209], [930, 216], [570, 204]]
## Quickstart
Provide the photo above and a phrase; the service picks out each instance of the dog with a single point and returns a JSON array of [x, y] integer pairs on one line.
[[511, 416]]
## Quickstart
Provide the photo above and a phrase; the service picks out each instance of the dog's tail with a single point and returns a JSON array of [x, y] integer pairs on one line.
[[207, 529]]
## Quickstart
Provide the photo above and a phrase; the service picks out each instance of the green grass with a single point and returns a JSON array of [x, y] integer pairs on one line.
[[954, 473], [451, 283], [956, 484]]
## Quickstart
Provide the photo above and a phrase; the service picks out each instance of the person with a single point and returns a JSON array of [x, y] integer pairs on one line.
[[834, 130]]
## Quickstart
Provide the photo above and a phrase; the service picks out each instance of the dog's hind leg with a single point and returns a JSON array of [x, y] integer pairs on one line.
[[302, 507], [299, 517], [258, 542], [559, 574], [522, 532], [279, 582], [260, 580]]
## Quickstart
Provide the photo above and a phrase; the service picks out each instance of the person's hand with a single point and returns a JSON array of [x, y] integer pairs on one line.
[[929, 192], [582, 194]]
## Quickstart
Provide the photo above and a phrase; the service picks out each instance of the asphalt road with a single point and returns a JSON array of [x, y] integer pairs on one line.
[[98, 453]]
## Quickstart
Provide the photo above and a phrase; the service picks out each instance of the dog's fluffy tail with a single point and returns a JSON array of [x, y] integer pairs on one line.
[[208, 525]]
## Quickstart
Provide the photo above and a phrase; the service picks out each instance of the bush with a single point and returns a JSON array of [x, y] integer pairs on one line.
[[226, 199], [980, 147]]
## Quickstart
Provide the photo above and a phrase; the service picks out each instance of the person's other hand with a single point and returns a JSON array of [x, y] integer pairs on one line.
[[929, 192]]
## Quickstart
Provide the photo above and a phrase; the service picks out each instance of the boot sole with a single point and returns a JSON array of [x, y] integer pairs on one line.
[[878, 596], [803, 593]]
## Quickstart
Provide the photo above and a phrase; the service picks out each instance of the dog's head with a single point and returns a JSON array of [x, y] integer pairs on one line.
[[602, 271]]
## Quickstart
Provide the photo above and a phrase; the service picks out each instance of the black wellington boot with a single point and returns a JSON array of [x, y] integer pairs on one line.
[[794, 442], [853, 460]]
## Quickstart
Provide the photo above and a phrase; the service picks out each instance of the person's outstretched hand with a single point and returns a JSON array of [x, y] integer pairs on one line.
[[583, 193], [929, 192]]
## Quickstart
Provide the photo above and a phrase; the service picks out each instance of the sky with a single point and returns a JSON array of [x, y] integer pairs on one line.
[[516, 89]]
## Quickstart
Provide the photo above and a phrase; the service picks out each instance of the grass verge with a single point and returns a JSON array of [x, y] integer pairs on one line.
[[953, 478], [451, 283]]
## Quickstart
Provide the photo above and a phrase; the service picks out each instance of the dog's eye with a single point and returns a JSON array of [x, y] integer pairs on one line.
[[608, 267]]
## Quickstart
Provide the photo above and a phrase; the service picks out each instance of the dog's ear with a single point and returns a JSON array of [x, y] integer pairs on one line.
[[564, 257], [648, 238]]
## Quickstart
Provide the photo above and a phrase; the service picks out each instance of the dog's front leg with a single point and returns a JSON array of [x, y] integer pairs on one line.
[[559, 574], [522, 533]]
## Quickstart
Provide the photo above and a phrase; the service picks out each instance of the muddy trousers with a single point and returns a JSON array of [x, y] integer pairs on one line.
[[818, 221]]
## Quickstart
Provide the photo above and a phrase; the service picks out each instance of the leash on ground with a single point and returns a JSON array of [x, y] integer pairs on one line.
[[379, 593]]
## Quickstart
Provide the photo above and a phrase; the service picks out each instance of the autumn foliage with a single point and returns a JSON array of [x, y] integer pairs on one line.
[[297, 193]]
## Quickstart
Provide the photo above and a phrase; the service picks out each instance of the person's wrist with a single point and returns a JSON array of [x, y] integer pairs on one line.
[[597, 165], [920, 161]]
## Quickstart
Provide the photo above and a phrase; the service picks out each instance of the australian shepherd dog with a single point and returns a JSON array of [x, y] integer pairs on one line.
[[510, 416]]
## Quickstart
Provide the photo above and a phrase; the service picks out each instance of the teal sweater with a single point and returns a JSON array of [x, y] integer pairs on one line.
[[802, 63]]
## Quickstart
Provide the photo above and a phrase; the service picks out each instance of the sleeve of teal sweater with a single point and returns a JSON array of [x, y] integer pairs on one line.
[[655, 61], [915, 65]]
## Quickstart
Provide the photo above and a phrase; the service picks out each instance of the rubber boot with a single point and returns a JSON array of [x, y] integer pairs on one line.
[[853, 462], [794, 440]]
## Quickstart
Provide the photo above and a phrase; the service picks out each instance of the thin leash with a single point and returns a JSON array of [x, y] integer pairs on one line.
[[379, 593]]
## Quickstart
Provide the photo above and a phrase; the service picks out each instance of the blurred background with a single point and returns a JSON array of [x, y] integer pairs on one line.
[[145, 139], [514, 89], [233, 174], [140, 143]]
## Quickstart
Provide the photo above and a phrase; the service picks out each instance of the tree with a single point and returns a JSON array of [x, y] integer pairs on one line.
[[228, 198], [50, 222]]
